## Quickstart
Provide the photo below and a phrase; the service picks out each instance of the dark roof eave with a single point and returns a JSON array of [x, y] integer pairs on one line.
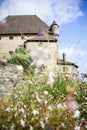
[[66, 63]]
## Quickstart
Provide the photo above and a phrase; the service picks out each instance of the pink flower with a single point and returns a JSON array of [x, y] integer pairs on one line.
[[1, 90], [72, 105], [84, 122]]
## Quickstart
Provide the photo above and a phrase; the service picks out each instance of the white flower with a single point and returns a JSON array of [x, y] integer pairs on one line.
[[30, 82], [7, 109], [35, 112], [63, 125], [46, 119], [51, 75], [42, 124], [50, 108], [45, 102], [60, 105], [22, 122], [76, 114], [51, 79], [19, 67], [12, 127], [21, 110], [77, 128], [46, 92], [38, 99], [31, 128]]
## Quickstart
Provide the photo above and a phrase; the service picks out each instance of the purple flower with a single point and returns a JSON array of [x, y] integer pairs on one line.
[[2, 63], [40, 34], [1, 90]]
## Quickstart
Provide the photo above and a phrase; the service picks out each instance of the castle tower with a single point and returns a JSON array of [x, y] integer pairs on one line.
[[55, 29]]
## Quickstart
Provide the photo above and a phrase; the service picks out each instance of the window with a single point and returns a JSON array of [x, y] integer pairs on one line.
[[22, 37], [11, 37], [65, 68]]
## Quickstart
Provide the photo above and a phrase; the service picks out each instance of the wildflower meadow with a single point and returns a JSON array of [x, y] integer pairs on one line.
[[44, 100]]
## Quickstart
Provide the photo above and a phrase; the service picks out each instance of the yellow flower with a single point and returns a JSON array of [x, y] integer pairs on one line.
[[25, 88], [70, 89]]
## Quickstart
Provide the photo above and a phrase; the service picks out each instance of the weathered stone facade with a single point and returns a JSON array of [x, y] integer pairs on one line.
[[7, 44], [68, 71], [10, 75]]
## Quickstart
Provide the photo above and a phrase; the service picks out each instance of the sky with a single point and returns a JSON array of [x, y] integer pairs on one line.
[[70, 15]]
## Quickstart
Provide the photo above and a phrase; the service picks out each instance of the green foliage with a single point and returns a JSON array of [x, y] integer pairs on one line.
[[22, 57], [81, 97]]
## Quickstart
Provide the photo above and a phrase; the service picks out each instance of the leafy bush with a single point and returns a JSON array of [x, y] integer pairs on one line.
[[22, 57]]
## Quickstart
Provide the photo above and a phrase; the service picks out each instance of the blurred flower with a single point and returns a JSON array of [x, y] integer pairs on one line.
[[84, 122], [72, 105], [77, 128], [1, 90], [40, 34], [38, 99], [30, 82], [46, 92], [50, 108], [69, 97], [60, 105], [21, 110], [8, 109], [35, 112], [42, 124], [22, 122], [39, 56], [19, 67], [46, 119], [76, 114], [46, 56], [2, 63], [51, 79], [12, 127], [3, 22], [31, 128], [70, 89], [63, 125], [45, 102]]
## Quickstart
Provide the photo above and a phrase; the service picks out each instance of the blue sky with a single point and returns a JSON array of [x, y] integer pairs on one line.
[[71, 15]]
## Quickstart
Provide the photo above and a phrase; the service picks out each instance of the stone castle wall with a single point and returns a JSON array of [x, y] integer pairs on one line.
[[50, 48], [10, 75], [7, 44]]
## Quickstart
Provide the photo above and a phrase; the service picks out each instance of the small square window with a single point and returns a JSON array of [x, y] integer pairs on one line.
[[65, 68], [22, 37], [11, 37]]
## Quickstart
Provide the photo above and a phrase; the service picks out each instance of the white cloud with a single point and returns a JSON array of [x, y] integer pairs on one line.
[[67, 11], [62, 11]]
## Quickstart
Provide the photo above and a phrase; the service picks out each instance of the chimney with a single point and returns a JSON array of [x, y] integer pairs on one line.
[[64, 57]]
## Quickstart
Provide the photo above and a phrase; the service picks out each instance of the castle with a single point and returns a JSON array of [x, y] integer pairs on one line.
[[31, 32]]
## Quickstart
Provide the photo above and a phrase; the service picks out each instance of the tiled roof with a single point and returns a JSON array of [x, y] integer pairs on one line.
[[22, 24], [61, 62]]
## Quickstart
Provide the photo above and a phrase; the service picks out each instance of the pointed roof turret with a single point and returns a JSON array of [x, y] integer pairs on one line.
[[54, 23]]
